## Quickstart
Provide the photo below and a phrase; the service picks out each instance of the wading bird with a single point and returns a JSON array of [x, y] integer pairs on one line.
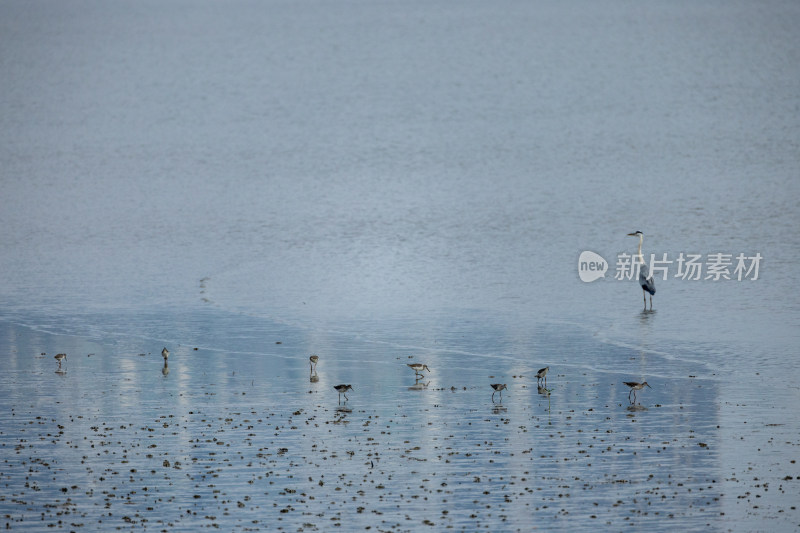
[[645, 276], [342, 389], [60, 357], [634, 387], [165, 353], [542, 375], [313, 359], [498, 387], [418, 368]]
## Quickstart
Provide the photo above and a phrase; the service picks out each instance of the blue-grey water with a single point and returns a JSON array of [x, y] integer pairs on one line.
[[248, 183]]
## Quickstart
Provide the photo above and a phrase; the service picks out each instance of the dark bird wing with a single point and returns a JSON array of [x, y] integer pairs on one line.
[[646, 280]]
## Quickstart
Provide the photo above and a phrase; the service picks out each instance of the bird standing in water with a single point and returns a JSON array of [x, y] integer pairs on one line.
[[498, 387], [634, 387], [646, 280], [542, 375], [60, 357], [418, 368], [342, 389], [165, 353], [313, 359]]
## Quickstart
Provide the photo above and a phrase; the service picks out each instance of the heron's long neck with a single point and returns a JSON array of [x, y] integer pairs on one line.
[[641, 257]]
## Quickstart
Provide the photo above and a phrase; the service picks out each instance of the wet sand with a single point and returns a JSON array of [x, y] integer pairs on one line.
[[254, 441]]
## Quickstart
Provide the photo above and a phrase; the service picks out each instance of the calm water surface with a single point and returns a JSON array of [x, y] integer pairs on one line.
[[381, 183]]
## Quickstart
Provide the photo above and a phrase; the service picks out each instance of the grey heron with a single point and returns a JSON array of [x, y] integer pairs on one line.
[[645, 276]]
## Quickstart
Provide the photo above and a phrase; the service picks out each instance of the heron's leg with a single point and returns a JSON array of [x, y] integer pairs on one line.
[[644, 296], [651, 302]]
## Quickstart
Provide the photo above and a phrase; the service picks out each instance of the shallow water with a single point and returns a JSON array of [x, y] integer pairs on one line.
[[244, 439], [384, 183]]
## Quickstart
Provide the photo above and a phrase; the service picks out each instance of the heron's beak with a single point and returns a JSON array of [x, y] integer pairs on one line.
[[631, 235]]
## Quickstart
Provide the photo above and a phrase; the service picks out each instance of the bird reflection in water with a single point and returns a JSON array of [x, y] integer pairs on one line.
[[419, 384]]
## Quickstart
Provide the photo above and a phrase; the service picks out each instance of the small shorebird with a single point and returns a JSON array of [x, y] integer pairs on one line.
[[542, 375], [634, 387], [60, 357], [418, 368], [342, 389], [313, 359], [165, 353], [498, 387]]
